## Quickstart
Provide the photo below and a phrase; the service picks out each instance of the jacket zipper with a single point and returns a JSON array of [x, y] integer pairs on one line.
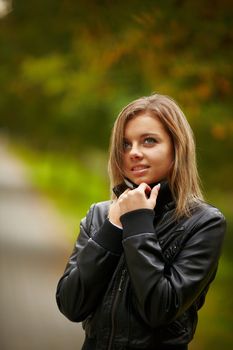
[[114, 305]]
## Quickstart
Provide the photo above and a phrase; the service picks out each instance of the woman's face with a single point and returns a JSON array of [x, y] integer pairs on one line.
[[148, 150]]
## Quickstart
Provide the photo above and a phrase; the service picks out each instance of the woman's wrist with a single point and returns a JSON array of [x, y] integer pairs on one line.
[[118, 225], [138, 221]]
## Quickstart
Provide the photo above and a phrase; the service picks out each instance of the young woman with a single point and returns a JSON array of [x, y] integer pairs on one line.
[[143, 262]]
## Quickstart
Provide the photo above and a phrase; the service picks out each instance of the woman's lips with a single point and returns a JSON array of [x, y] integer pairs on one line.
[[139, 169]]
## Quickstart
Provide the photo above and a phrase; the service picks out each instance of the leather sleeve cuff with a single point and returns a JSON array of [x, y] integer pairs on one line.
[[109, 237], [137, 221]]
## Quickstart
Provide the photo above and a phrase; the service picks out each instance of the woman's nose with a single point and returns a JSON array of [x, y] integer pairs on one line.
[[135, 152]]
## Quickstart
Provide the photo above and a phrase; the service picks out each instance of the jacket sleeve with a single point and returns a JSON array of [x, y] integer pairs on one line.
[[164, 290], [89, 268]]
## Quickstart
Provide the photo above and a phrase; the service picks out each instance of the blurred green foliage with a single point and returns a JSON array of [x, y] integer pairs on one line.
[[67, 67], [73, 184]]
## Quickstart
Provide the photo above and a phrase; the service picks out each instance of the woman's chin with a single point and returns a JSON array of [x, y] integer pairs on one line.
[[139, 181]]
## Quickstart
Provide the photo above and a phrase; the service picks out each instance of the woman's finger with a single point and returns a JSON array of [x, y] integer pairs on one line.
[[154, 194]]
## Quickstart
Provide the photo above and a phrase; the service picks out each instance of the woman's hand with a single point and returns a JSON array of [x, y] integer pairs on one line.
[[115, 213], [139, 198]]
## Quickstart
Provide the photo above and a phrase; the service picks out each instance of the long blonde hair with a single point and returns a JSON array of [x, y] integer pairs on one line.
[[183, 180]]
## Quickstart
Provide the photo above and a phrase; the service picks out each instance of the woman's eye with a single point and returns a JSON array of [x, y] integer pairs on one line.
[[126, 145], [150, 140]]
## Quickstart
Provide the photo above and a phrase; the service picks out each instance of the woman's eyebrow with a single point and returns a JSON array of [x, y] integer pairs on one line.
[[150, 134], [146, 135]]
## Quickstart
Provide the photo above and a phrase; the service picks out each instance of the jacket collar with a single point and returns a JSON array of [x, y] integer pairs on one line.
[[165, 199]]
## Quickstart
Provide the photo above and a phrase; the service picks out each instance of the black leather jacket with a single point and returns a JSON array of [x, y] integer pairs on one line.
[[141, 288]]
